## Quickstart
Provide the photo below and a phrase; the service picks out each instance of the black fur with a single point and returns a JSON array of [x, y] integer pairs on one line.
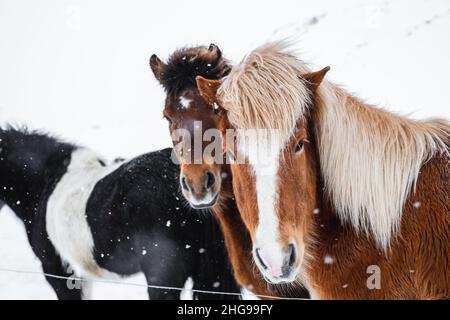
[[184, 65], [31, 164], [127, 213]]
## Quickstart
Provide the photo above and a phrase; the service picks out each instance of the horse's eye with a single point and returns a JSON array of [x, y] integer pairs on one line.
[[168, 119], [299, 146]]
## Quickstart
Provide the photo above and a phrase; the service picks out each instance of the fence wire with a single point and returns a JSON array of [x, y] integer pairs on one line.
[[118, 282]]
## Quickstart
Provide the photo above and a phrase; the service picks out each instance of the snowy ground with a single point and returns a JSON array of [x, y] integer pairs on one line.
[[80, 69]]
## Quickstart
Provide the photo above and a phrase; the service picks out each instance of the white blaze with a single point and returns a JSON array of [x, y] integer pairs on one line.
[[262, 151], [185, 102]]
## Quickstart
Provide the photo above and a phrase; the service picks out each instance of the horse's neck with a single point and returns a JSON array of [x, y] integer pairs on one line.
[[370, 159], [19, 193]]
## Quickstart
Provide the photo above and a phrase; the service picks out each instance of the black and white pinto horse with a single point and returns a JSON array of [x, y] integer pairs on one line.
[[109, 220]]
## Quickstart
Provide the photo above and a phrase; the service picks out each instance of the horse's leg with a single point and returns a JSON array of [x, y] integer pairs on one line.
[[163, 294], [86, 290], [52, 265], [65, 289], [171, 274]]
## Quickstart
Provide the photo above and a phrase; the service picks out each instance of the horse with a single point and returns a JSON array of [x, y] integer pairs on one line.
[[88, 218], [346, 198], [205, 183]]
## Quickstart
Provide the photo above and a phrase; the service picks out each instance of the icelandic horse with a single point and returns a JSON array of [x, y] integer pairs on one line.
[[350, 200], [207, 184]]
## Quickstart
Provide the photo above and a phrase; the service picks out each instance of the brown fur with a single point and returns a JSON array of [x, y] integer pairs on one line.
[[417, 262], [236, 235]]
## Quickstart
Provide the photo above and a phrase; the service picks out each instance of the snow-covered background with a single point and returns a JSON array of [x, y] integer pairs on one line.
[[80, 69]]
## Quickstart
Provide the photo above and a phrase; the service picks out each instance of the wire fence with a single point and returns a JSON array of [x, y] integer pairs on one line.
[[126, 283]]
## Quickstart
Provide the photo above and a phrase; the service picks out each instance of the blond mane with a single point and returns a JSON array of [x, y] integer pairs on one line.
[[369, 158], [265, 91]]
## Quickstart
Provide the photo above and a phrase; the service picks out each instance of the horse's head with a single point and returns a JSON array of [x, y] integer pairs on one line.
[[193, 121], [276, 183]]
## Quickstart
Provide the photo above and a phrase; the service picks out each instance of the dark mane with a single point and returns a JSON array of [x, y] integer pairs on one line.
[[20, 136], [32, 150], [185, 64]]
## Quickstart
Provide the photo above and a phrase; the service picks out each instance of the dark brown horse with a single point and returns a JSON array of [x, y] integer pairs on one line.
[[206, 183], [348, 199]]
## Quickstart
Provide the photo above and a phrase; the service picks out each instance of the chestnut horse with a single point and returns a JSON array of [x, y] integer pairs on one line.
[[350, 200], [206, 183]]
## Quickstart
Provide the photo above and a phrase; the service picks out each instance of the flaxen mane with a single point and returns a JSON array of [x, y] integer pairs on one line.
[[184, 65], [370, 158]]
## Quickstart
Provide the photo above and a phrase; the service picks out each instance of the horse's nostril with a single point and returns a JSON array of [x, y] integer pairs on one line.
[[259, 259], [292, 255], [210, 179], [184, 184]]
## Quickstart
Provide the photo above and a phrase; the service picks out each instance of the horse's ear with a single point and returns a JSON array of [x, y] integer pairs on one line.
[[214, 50], [157, 66], [208, 89], [314, 79]]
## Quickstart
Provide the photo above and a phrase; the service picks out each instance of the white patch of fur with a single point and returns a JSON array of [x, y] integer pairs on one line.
[[262, 149], [67, 226], [185, 102]]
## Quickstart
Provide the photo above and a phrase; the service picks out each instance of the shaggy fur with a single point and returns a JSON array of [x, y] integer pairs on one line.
[[237, 237], [359, 169], [368, 185], [184, 65], [109, 219]]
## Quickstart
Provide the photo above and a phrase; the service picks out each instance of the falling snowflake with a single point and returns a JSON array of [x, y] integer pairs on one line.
[[18, 202], [345, 286], [168, 223], [187, 246], [316, 211], [216, 284], [201, 250], [144, 252], [416, 204], [328, 259]]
